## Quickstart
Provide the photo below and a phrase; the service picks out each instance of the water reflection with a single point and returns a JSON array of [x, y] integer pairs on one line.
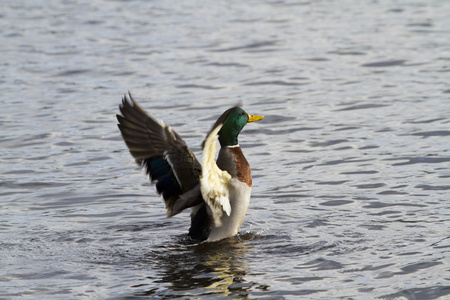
[[201, 269]]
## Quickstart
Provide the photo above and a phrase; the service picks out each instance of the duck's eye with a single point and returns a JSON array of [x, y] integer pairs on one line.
[[241, 114]]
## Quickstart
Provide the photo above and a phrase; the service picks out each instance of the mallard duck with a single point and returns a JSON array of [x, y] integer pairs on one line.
[[217, 191]]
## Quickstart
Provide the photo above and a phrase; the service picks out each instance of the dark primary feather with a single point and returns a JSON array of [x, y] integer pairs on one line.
[[164, 154]]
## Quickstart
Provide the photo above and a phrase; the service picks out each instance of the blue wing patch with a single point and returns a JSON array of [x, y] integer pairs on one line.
[[160, 170]]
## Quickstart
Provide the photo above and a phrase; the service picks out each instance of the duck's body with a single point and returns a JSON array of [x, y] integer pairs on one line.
[[232, 160], [218, 192]]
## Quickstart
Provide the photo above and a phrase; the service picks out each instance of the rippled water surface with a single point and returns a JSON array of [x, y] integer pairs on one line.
[[351, 165]]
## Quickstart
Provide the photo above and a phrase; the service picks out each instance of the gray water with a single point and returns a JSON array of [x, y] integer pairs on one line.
[[351, 165]]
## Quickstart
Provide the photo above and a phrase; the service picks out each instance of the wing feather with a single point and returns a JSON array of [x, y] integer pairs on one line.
[[163, 153], [214, 181]]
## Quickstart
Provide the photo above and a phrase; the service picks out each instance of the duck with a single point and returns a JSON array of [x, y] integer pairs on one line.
[[217, 191]]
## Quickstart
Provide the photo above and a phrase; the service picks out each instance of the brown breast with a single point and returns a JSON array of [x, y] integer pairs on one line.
[[243, 172]]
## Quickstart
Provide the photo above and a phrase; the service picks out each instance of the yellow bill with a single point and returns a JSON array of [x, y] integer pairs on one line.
[[252, 118]]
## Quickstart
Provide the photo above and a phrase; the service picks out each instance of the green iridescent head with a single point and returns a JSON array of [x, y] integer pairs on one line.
[[233, 120]]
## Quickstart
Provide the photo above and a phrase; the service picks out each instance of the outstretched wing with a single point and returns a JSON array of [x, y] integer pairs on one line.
[[214, 181], [165, 156]]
